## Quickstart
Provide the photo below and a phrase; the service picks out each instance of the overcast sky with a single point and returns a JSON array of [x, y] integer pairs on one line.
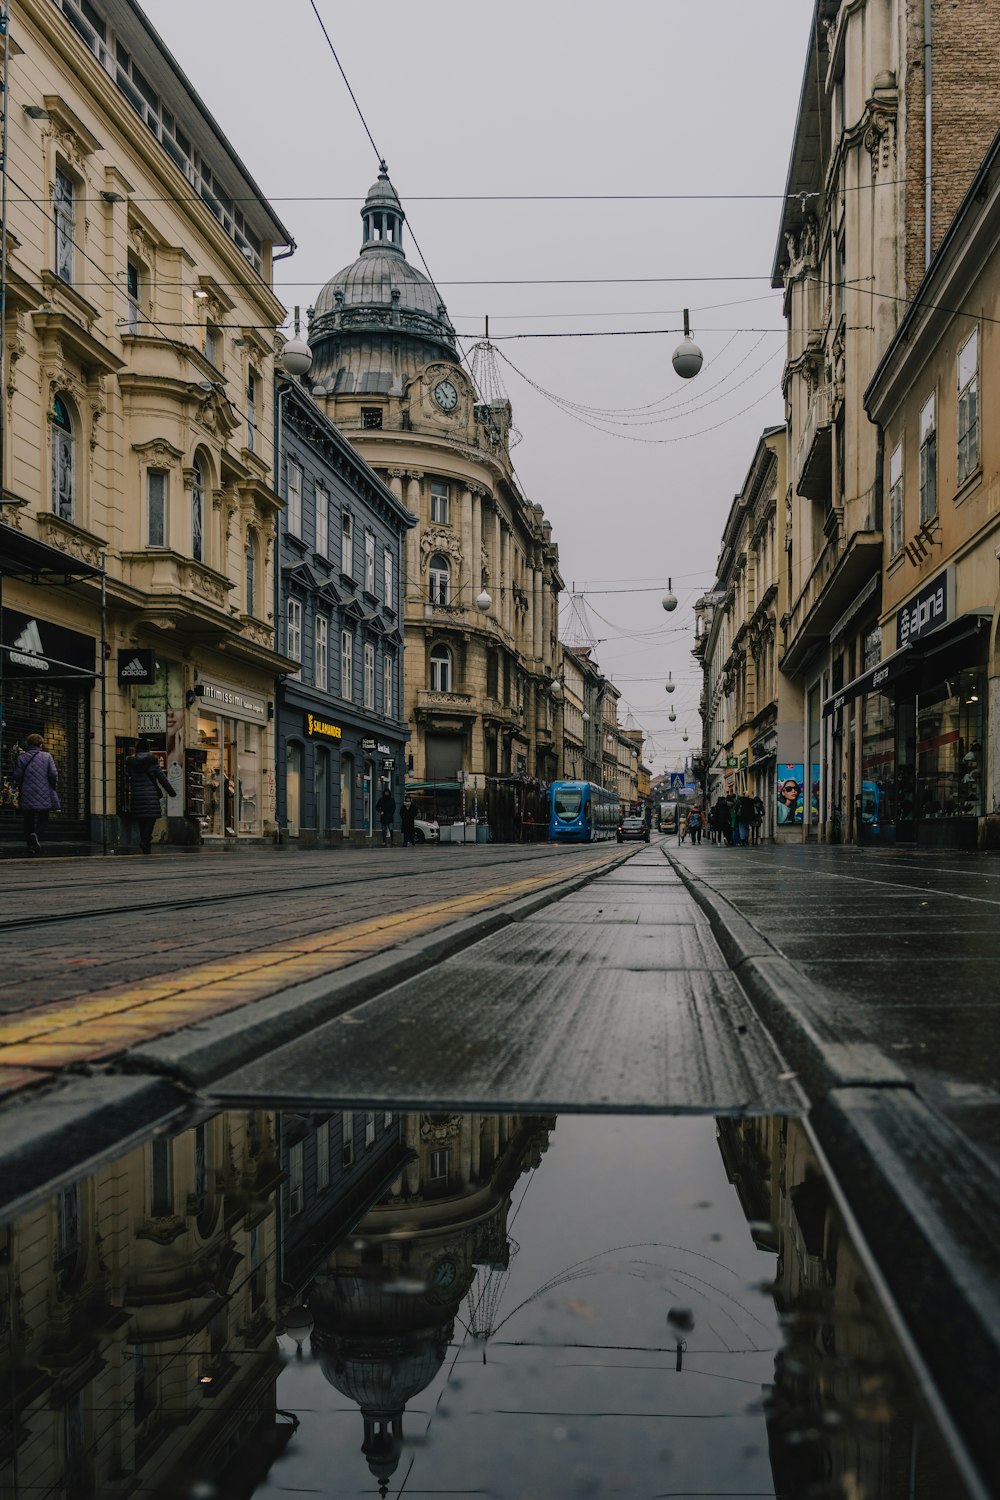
[[537, 97]]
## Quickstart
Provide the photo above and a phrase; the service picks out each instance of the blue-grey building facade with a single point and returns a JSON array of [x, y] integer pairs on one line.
[[340, 561]]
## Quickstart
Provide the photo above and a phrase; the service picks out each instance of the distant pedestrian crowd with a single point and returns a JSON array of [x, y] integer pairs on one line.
[[732, 820]]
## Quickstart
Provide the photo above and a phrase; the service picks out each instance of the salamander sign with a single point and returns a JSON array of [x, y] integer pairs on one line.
[[931, 607]]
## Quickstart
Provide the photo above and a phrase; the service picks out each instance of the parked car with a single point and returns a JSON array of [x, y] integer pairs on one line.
[[633, 828], [426, 831]]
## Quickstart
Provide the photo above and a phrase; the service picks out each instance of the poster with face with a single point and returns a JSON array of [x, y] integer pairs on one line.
[[791, 791]]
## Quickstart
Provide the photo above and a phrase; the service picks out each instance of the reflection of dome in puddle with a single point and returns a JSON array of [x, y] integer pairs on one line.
[[379, 1348]]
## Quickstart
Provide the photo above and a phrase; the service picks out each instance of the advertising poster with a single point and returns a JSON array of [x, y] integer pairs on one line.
[[814, 794], [791, 792]]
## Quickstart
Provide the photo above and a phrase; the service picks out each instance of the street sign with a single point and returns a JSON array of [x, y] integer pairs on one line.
[[677, 781]]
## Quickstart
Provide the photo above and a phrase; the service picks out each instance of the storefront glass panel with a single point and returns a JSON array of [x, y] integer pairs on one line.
[[231, 776], [248, 778], [877, 796], [949, 748], [322, 789], [293, 788], [346, 791]]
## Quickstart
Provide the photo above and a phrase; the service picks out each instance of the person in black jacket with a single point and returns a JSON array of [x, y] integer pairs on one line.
[[145, 783], [408, 821], [386, 809]]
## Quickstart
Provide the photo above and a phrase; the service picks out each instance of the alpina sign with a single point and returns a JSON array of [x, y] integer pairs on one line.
[[930, 608]]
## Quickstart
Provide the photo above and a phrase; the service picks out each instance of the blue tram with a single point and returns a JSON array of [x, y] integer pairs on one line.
[[580, 812]]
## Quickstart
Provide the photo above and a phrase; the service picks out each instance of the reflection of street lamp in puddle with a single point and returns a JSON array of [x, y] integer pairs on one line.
[[680, 1320]]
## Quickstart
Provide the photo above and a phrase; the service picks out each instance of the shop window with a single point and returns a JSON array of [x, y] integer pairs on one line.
[[369, 562], [64, 220], [296, 1190], [63, 460], [441, 503], [321, 652], [440, 669], [248, 778], [949, 745], [156, 508], [896, 500], [347, 665], [293, 788], [323, 1156], [198, 517], [347, 544], [251, 571], [321, 789], [369, 676], [968, 406], [322, 521], [293, 631], [928, 459], [388, 664], [439, 574], [293, 499], [347, 1138]]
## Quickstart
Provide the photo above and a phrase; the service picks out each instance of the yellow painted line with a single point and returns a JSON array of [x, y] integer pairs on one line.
[[52, 1036]]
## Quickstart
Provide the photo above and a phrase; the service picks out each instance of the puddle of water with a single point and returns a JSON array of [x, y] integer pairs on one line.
[[511, 1306]]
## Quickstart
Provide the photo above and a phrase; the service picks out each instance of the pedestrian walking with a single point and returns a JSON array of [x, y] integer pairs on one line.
[[744, 819], [694, 825], [146, 781], [408, 821], [758, 819], [386, 809], [682, 824], [36, 777]]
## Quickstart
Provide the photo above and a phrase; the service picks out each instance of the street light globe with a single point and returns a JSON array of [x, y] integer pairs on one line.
[[586, 717], [669, 684], [669, 600], [296, 356], [555, 688], [684, 736], [687, 358], [672, 716], [484, 603]]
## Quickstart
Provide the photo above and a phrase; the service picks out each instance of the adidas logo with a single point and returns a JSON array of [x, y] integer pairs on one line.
[[27, 648], [135, 668]]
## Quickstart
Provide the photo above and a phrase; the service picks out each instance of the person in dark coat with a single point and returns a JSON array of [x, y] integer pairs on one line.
[[408, 821], [744, 819], [37, 778], [386, 809], [146, 781]]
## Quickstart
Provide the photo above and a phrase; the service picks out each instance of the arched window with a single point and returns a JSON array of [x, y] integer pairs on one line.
[[440, 669], [198, 515], [440, 579], [251, 569], [62, 460]]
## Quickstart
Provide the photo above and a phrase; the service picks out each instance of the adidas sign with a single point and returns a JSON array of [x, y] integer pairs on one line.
[[134, 668], [27, 648]]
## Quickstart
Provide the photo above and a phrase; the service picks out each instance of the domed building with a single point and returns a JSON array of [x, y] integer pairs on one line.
[[482, 571]]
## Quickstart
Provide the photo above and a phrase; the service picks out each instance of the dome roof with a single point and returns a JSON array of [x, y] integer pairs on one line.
[[380, 292]]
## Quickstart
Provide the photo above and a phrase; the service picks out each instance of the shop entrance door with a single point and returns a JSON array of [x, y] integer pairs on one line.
[[346, 789], [367, 800], [322, 792], [293, 789]]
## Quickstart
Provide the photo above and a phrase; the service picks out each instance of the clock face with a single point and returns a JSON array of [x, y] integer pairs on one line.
[[446, 395], [444, 1273]]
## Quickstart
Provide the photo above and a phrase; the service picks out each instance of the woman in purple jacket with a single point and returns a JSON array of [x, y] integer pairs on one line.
[[36, 776]]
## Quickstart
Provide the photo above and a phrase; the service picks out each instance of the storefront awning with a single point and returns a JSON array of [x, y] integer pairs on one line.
[[872, 681]]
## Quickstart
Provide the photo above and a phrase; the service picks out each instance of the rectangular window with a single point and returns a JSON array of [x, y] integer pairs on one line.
[[369, 676], [369, 562], [293, 499], [161, 1185], [213, 345], [133, 288], [387, 666], [293, 631], [440, 503], [388, 579], [896, 500], [968, 407], [252, 385], [323, 1156], [296, 1196], [64, 217], [371, 417], [346, 665], [347, 1136], [156, 508], [322, 521], [347, 544], [438, 1166], [928, 459], [386, 1119], [369, 1128], [321, 656]]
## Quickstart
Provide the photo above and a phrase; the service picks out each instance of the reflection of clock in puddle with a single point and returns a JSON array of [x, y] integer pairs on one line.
[[443, 1274]]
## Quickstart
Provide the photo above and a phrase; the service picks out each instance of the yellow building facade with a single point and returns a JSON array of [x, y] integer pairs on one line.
[[138, 506]]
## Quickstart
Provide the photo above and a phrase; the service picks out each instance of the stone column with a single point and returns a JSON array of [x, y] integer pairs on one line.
[[411, 1175], [468, 585], [496, 564], [477, 541], [412, 589], [508, 581], [536, 612]]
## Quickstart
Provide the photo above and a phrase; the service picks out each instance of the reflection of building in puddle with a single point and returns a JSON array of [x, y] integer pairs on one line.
[[843, 1414], [137, 1322], [385, 1303]]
